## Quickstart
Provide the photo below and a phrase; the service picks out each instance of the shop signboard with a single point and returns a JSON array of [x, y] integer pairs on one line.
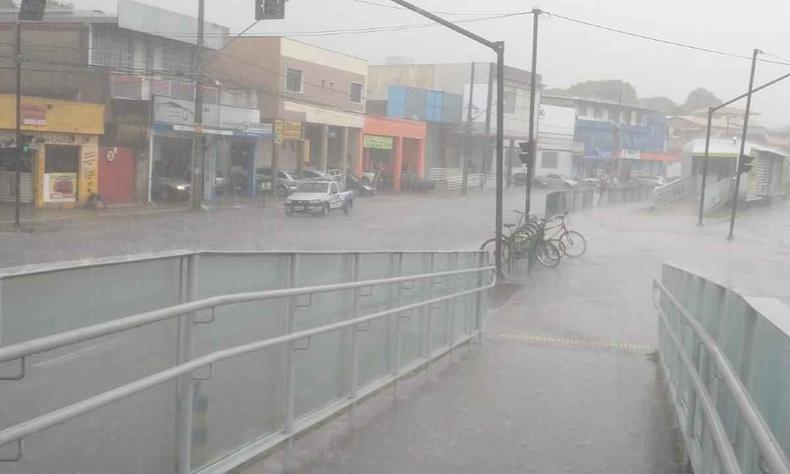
[[378, 142], [60, 187], [627, 154], [278, 131], [34, 115]]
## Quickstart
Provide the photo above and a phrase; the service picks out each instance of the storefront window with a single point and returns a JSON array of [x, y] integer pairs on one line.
[[62, 159]]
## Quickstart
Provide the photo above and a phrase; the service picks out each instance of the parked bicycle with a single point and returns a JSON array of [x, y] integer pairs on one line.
[[526, 239], [573, 243]]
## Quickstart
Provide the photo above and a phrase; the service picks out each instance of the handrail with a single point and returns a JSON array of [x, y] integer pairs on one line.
[[55, 341], [764, 438], [726, 453], [27, 428]]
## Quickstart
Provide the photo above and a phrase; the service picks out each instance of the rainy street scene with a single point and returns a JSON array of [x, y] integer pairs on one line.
[[394, 237]]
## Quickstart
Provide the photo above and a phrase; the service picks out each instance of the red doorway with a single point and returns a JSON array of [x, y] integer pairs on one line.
[[116, 175]]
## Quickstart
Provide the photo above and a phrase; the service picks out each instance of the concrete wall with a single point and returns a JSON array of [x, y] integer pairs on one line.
[[44, 44]]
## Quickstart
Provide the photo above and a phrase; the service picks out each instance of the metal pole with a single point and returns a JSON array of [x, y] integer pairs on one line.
[[18, 178], [705, 167], [198, 148], [186, 384], [499, 48], [533, 148], [743, 145], [465, 164], [500, 158]]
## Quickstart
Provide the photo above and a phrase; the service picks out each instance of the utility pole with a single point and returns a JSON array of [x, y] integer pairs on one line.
[[533, 146], [465, 171], [705, 166], [198, 141], [499, 49], [743, 144], [711, 111], [18, 177]]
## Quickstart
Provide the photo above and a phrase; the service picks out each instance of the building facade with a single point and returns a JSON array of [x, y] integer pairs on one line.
[[617, 139], [315, 97], [474, 141]]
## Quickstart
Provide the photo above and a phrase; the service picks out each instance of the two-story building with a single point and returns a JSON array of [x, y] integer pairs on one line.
[[474, 140], [619, 139], [315, 97], [139, 63]]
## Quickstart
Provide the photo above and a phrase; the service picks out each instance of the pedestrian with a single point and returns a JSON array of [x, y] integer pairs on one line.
[[603, 184]]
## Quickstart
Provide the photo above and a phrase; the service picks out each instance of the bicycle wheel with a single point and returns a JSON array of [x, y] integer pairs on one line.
[[575, 243], [519, 243], [561, 247], [547, 254], [490, 247]]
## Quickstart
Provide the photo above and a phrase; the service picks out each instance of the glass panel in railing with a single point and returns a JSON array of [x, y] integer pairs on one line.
[[242, 402], [43, 304]]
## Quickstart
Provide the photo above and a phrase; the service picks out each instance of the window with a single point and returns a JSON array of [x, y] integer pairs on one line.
[[510, 100], [293, 80], [356, 93], [549, 159], [597, 112], [333, 188], [62, 159]]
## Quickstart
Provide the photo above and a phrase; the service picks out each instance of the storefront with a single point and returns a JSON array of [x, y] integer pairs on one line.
[[232, 139], [394, 149], [60, 168]]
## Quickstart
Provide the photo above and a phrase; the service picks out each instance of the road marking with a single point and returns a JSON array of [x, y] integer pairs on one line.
[[85, 351], [575, 342]]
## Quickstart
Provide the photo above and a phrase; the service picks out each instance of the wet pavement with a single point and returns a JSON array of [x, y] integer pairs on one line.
[[565, 379]]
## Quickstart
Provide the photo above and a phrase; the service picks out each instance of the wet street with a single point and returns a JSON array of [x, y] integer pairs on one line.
[[564, 380]]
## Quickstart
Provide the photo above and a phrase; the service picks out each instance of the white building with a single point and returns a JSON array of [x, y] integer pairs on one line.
[[556, 126]]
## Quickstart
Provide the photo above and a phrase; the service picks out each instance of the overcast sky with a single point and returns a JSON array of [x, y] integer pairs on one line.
[[568, 52]]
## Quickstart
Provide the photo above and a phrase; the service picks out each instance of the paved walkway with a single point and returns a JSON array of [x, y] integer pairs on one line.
[[565, 379]]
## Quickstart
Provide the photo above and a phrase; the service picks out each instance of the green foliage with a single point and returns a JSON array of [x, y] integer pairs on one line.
[[700, 98], [611, 89], [664, 105]]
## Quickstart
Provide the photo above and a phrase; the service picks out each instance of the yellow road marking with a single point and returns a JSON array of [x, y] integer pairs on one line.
[[573, 342]]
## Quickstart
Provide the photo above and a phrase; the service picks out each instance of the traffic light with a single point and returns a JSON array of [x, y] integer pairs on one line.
[[526, 151], [26, 140], [32, 10], [745, 164], [269, 9]]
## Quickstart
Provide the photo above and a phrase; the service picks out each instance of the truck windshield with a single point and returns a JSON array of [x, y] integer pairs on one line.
[[313, 187]]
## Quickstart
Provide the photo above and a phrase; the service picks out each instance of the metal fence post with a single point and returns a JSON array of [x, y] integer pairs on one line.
[[185, 387], [290, 368], [481, 296], [450, 319], [354, 362], [428, 316], [398, 342]]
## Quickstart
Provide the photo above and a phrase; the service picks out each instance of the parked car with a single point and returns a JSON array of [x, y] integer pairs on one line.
[[553, 180], [286, 182], [362, 187], [651, 180], [313, 174], [166, 188], [319, 197]]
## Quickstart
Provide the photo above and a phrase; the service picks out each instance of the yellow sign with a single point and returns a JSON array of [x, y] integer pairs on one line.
[[278, 131], [292, 130], [377, 142], [53, 115]]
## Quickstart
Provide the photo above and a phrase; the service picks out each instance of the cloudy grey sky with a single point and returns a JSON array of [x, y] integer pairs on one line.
[[569, 52]]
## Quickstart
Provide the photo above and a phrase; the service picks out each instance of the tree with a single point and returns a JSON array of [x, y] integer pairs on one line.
[[663, 104], [611, 89], [700, 98]]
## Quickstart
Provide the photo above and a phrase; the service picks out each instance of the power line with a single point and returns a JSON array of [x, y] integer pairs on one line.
[[657, 40]]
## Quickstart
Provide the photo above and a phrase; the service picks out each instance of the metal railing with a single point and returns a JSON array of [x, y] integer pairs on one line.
[[452, 297], [571, 200], [671, 193], [720, 422], [452, 179]]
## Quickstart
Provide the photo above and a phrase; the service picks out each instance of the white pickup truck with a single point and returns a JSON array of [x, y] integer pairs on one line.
[[318, 197]]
